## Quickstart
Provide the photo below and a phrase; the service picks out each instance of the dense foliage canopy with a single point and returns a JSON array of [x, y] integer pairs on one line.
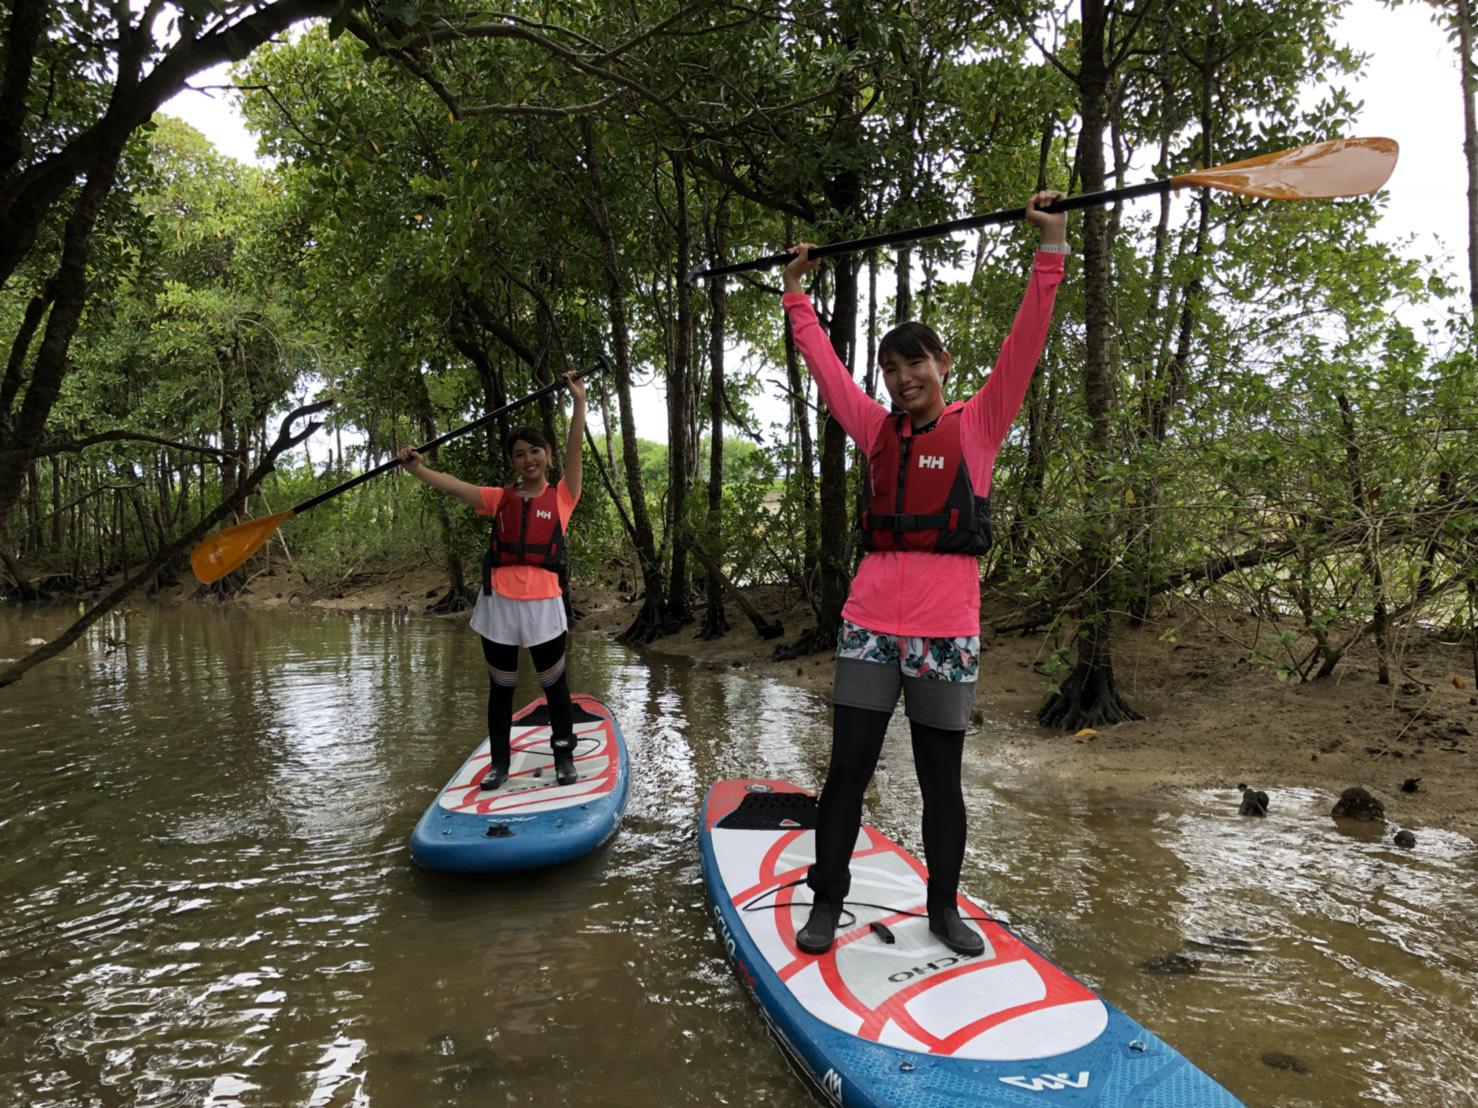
[[1254, 399]]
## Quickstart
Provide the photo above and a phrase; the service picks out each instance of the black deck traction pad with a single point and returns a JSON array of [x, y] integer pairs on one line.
[[772, 812], [539, 717]]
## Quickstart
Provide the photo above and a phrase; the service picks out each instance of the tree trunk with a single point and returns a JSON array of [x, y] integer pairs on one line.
[[903, 290], [20, 349], [28, 193], [648, 623], [767, 628], [1469, 72], [870, 370], [24, 590], [800, 421], [1370, 564], [494, 394], [1088, 697], [679, 608], [1167, 378], [1020, 537], [715, 619], [458, 597], [843, 191], [834, 449], [1041, 414], [28, 427]]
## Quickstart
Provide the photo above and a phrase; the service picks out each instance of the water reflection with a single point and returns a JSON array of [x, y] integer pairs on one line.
[[208, 896]]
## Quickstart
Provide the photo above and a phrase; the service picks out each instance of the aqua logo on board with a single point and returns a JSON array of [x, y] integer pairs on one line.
[[1049, 1082], [831, 1082]]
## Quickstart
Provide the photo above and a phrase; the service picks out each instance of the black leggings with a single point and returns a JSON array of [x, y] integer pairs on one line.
[[549, 662], [856, 741]]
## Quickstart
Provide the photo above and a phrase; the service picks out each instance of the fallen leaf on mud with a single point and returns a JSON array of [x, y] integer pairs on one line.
[[1084, 731]]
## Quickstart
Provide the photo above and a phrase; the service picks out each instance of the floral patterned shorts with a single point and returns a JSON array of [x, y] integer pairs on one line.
[[955, 659], [936, 675]]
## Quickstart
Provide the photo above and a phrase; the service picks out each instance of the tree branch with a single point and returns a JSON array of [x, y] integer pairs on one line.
[[77, 445], [26, 198], [286, 440], [27, 22]]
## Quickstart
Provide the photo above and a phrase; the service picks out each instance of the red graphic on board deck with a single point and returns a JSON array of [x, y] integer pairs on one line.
[[897, 999], [597, 761]]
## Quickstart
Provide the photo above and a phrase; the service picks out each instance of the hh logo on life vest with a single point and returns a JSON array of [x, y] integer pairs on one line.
[[540, 513], [1048, 1082], [931, 461]]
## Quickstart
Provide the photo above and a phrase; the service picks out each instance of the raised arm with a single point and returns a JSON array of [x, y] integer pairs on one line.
[[859, 414], [574, 456], [410, 460], [990, 412]]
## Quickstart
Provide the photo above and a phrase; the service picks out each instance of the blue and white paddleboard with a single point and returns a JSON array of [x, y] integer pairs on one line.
[[910, 1022], [532, 820]]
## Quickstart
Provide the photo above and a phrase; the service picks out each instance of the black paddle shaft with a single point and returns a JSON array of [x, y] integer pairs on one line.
[[543, 390], [934, 230]]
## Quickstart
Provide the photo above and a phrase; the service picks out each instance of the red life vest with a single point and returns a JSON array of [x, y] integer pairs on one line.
[[921, 495], [526, 532]]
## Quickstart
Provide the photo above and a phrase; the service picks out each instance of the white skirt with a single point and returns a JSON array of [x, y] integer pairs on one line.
[[519, 622]]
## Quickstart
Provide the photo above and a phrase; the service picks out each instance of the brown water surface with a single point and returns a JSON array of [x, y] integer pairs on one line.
[[207, 898]]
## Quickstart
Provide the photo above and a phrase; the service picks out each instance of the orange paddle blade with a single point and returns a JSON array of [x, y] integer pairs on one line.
[[1340, 167], [226, 550]]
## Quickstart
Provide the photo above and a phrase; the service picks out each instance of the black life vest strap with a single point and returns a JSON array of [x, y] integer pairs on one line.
[[938, 521]]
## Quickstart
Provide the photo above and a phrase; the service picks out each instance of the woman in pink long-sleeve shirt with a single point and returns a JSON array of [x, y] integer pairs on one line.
[[911, 623]]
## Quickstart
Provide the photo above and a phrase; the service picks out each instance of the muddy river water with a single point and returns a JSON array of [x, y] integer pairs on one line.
[[207, 896]]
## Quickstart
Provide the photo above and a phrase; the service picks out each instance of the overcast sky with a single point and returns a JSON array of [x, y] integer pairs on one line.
[[1411, 93]]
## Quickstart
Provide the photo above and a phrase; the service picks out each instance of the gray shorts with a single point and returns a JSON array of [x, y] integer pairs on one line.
[[936, 675]]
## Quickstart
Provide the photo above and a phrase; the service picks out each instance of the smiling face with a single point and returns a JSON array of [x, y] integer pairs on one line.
[[530, 462], [915, 367]]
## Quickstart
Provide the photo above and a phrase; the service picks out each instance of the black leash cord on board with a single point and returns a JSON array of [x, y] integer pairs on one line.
[[884, 934]]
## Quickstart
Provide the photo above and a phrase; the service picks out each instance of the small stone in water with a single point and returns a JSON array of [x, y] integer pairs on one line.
[[1290, 1062], [1254, 802], [1171, 965], [1358, 803]]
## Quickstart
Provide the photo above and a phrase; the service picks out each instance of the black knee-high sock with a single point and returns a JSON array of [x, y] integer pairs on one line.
[[502, 660], [549, 662], [856, 741], [936, 757]]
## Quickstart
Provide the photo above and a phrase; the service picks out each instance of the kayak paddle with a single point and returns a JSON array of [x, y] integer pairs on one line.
[[1325, 170], [226, 550]]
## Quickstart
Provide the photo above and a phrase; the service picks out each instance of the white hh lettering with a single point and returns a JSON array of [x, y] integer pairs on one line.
[[1049, 1081], [542, 514], [931, 461]]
